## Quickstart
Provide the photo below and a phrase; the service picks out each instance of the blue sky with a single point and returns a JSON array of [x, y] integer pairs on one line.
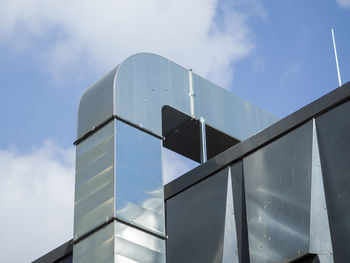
[[276, 54]]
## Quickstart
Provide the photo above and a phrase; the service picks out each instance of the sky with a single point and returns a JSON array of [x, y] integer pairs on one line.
[[276, 54]]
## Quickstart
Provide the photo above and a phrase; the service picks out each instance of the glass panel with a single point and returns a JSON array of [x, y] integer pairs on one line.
[[139, 186]]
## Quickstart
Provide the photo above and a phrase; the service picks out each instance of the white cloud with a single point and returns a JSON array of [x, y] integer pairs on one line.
[[202, 34], [344, 3], [36, 201]]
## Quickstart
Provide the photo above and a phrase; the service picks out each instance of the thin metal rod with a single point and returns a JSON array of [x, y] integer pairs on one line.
[[203, 140], [191, 93], [336, 57]]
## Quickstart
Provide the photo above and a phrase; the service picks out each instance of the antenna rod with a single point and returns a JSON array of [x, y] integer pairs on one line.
[[336, 57]]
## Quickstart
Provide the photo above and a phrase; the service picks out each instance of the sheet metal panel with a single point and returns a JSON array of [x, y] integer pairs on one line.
[[132, 245], [139, 183], [61, 254], [230, 246], [96, 104], [66, 260], [277, 187], [227, 112], [333, 130], [98, 247], [147, 82], [143, 84], [196, 221], [320, 237], [94, 187], [240, 210]]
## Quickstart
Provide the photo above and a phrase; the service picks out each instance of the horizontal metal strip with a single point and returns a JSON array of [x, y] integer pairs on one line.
[[96, 128], [109, 220]]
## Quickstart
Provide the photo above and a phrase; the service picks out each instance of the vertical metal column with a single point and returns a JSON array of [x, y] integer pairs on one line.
[[119, 199], [203, 140]]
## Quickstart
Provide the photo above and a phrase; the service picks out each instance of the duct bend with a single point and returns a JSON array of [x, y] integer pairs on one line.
[[140, 86]]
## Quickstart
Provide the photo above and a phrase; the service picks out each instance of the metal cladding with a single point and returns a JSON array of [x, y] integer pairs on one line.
[[123, 121], [288, 189], [138, 89], [281, 195]]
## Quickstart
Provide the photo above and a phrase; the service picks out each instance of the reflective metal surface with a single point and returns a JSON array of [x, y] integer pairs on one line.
[[228, 113], [334, 143], [237, 176], [196, 221], [94, 180], [98, 247], [203, 140], [230, 247], [96, 104], [118, 171], [320, 236], [119, 168], [142, 84], [325, 258], [139, 187], [277, 187], [132, 245]]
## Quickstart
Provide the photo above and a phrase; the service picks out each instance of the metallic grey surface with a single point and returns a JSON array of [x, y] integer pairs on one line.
[[320, 237], [139, 187], [334, 143], [277, 187], [203, 140], [196, 221], [144, 83], [61, 254], [118, 171], [96, 104], [191, 94], [236, 170], [132, 245], [228, 113], [230, 249], [94, 180], [325, 258], [98, 247]]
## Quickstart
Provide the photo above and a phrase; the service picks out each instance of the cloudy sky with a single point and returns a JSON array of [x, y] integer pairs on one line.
[[276, 54]]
